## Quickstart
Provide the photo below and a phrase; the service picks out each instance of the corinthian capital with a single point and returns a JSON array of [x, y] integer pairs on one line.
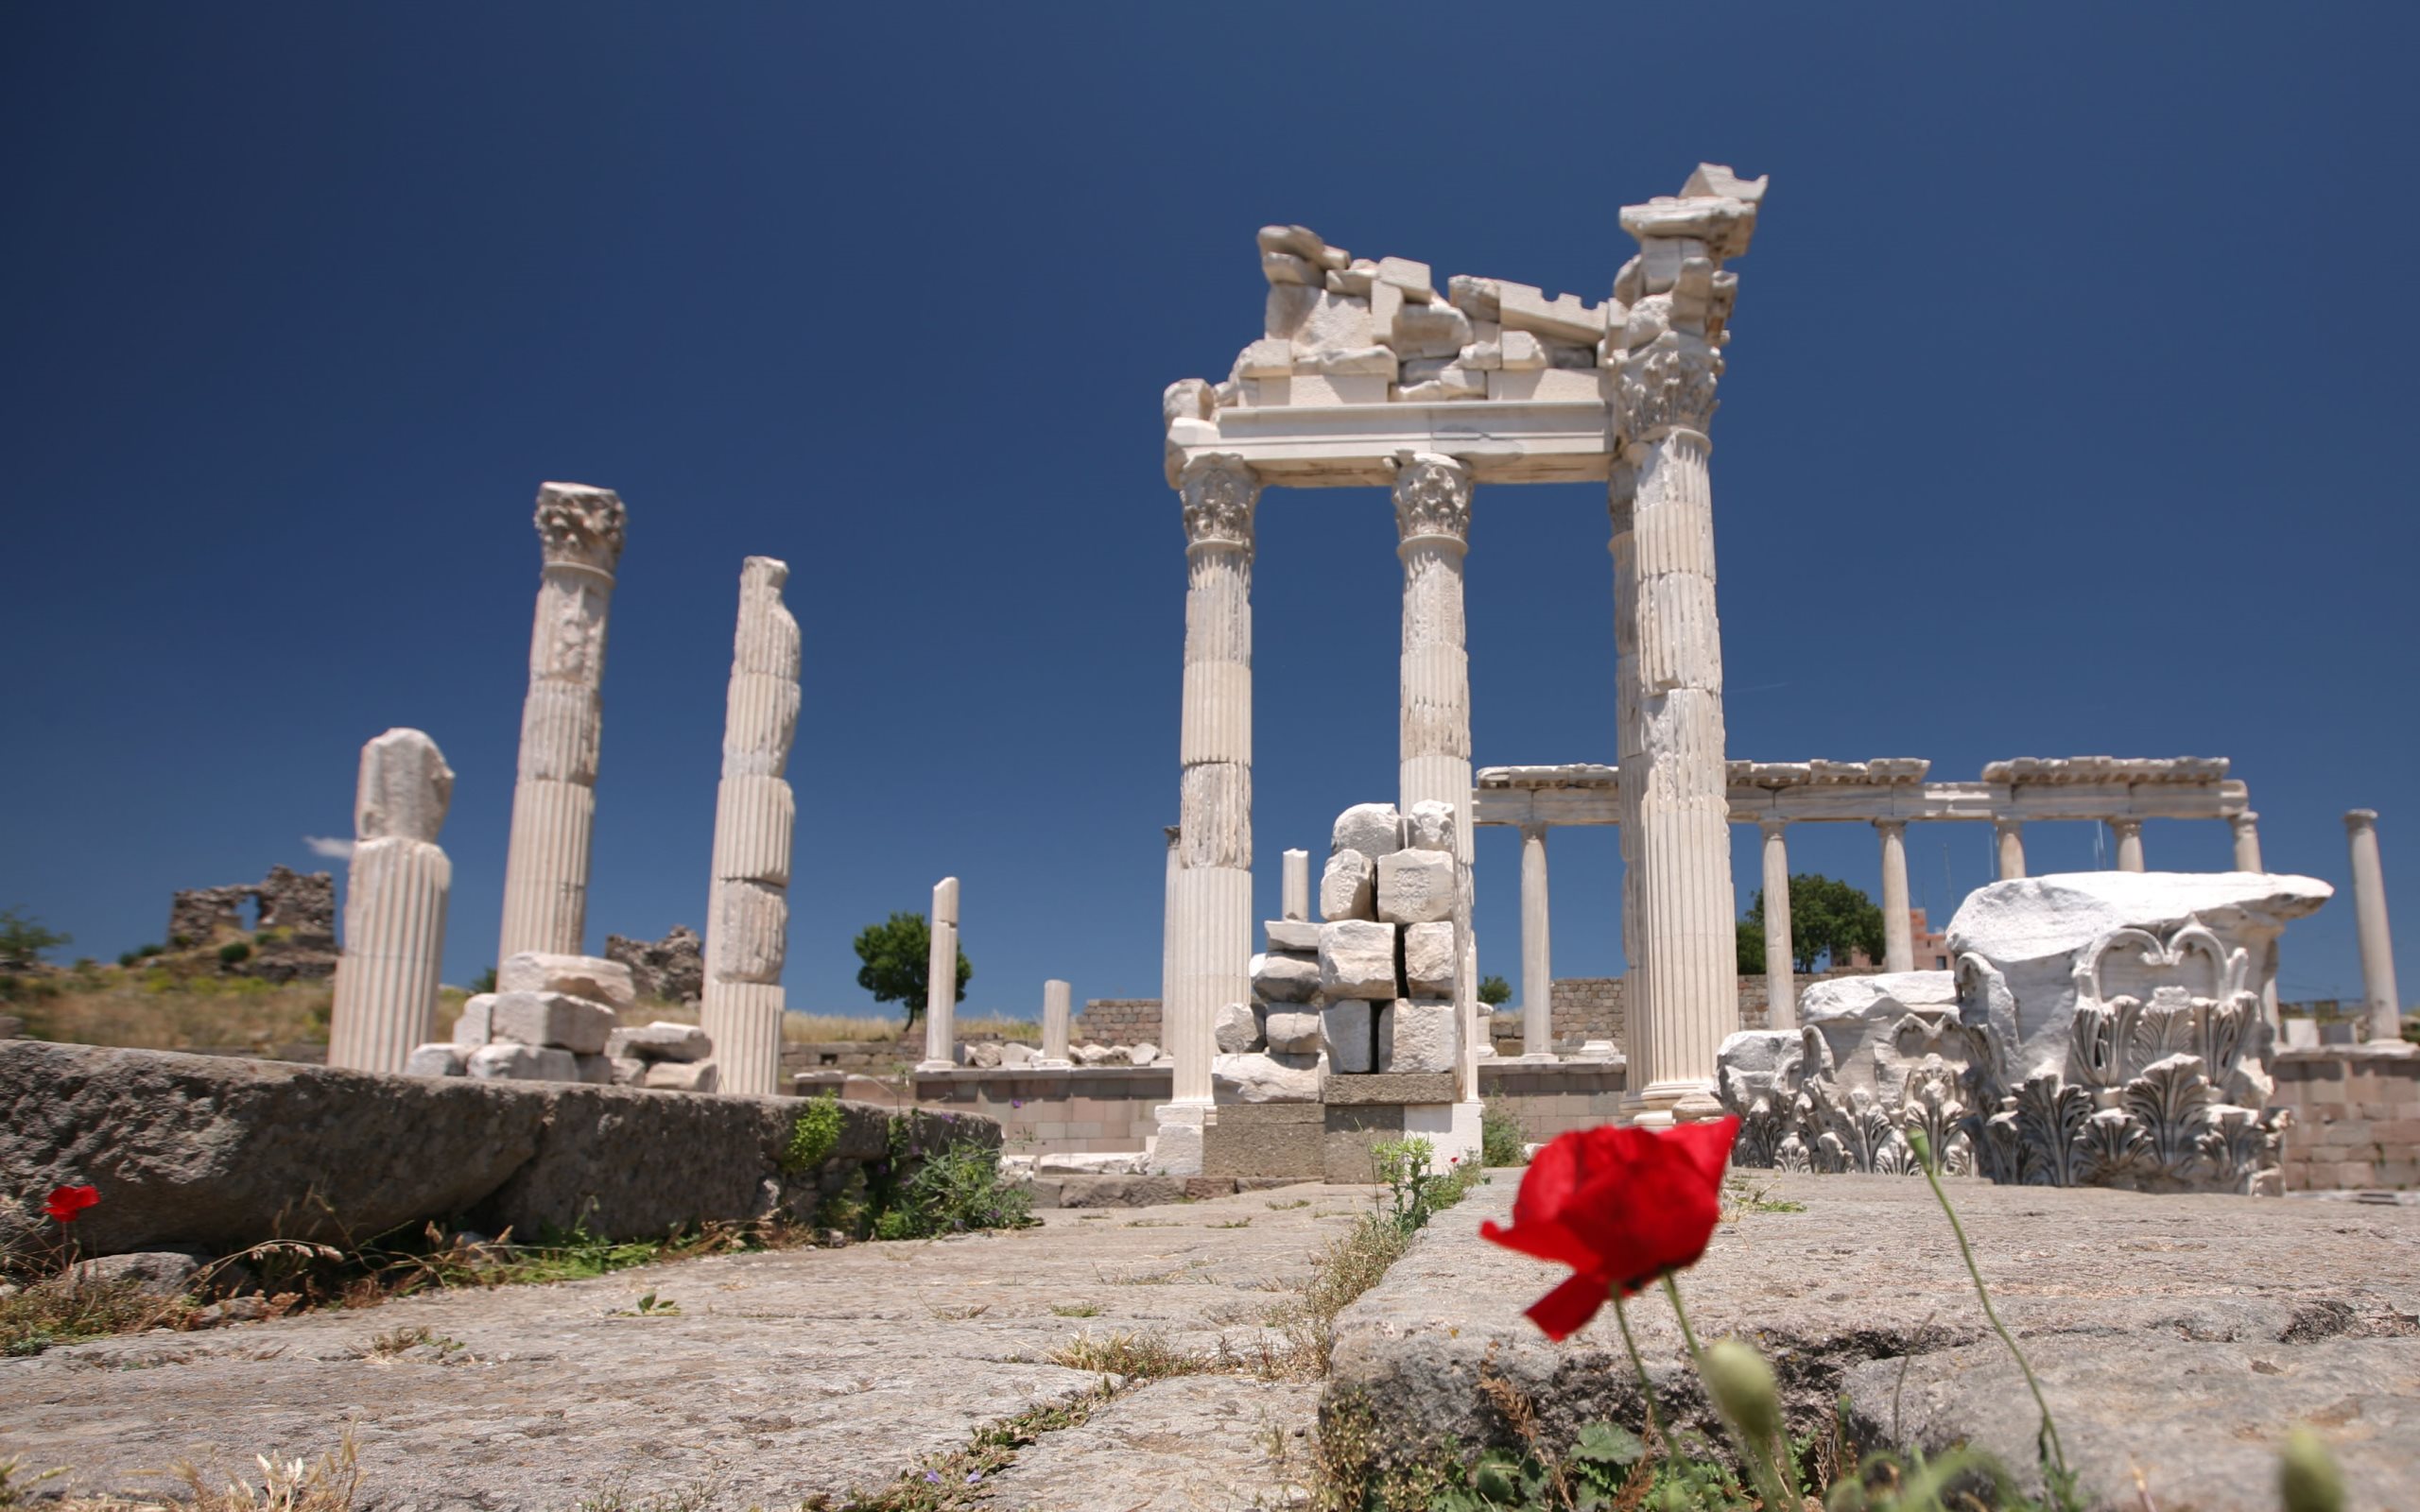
[[580, 527], [1432, 497], [1220, 492], [1666, 385]]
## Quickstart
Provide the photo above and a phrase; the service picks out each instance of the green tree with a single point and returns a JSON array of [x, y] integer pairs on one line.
[[23, 939], [1828, 919], [898, 955], [1493, 990], [1752, 941]]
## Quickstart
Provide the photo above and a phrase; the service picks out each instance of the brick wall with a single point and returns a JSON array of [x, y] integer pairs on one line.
[[1591, 1007], [1116, 1021], [2356, 1118]]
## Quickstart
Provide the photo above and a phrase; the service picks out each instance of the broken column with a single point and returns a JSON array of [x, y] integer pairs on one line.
[[554, 799], [2385, 1008], [395, 914], [2007, 840], [1898, 938], [1210, 902], [1055, 1003], [1781, 986], [1537, 948], [1673, 304], [2246, 827], [2130, 843], [748, 909], [941, 980], [1294, 887]]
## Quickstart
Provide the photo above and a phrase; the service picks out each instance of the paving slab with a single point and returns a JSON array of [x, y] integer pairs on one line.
[[782, 1375], [2188, 1288]]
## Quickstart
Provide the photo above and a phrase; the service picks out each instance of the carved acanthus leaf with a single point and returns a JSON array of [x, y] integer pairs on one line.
[[580, 527], [1432, 497], [1219, 492]]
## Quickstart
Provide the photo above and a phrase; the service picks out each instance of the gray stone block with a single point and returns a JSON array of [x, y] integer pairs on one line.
[[660, 1041], [1265, 1140], [1416, 1037], [1415, 887], [510, 1062], [555, 1019], [437, 1058], [1397, 1087], [1348, 1030], [1299, 936], [1358, 960]]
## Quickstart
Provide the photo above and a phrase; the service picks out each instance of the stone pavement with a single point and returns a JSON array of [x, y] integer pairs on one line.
[[782, 1375], [2175, 1336]]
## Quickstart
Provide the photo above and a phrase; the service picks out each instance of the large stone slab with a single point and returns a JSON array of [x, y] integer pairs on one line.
[[1869, 1272]]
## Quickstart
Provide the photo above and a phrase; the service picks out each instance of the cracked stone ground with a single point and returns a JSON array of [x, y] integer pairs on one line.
[[782, 1375]]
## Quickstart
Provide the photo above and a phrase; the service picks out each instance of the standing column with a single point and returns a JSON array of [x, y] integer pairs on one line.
[[395, 906], [1781, 988], [941, 982], [2369, 922], [1537, 948], [554, 799], [1898, 944], [1432, 496], [2010, 834], [748, 909], [1055, 1003], [2130, 843], [2247, 840], [1210, 907], [1294, 887]]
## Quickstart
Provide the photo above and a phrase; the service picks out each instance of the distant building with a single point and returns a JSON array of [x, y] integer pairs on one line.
[[1929, 947]]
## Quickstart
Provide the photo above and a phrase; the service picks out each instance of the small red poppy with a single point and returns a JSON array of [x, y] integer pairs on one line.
[[1620, 1207], [66, 1202]]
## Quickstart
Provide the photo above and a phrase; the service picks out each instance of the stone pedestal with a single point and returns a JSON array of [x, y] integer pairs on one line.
[[394, 915], [2130, 843], [2385, 1008], [1898, 939], [1781, 986], [1056, 997], [748, 908], [554, 799], [1432, 498], [941, 982], [2009, 838], [1537, 947]]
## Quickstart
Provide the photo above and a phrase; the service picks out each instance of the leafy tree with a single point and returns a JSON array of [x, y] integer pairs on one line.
[[1752, 941], [1828, 920], [1493, 990], [484, 981], [898, 954], [23, 939]]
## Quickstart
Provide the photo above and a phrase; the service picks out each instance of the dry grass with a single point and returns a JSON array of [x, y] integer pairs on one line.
[[283, 1486], [805, 1028], [67, 1308], [159, 1010]]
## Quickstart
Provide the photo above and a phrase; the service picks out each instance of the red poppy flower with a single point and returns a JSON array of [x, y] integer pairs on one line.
[[1620, 1207], [66, 1202]]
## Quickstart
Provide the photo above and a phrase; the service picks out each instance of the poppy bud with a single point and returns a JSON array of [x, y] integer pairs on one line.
[[1922, 1145], [2307, 1480], [1744, 1388]]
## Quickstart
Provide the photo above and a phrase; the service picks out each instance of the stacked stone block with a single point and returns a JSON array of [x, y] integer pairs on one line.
[[558, 1018]]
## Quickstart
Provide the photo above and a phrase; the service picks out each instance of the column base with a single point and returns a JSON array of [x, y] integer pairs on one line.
[[923, 1066], [1536, 1057], [1663, 1103], [1176, 1150]]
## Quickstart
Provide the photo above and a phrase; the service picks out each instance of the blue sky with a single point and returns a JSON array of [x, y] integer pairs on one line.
[[2066, 414]]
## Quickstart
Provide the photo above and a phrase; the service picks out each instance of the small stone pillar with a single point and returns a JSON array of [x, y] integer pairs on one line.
[[1899, 941], [1781, 988], [2008, 834], [2130, 843], [1537, 948], [394, 907], [747, 908], [554, 799], [941, 982], [2247, 840], [1294, 887], [2385, 1017], [1055, 1002]]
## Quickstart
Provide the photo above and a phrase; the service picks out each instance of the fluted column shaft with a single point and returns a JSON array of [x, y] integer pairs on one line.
[[2369, 922], [1210, 934], [1676, 812], [2008, 834], [554, 799], [2130, 843], [2247, 841], [1432, 498], [755, 817], [1781, 986], [1537, 946], [394, 909], [1899, 941], [1056, 1001], [941, 980]]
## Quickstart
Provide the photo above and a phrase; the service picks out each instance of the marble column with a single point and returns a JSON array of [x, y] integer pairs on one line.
[[2130, 843], [2385, 1007], [2009, 837], [554, 799], [1294, 887], [1173, 835], [941, 980], [1898, 942], [1210, 906], [2246, 826], [1537, 948], [1056, 996], [748, 908], [1781, 988], [1432, 497], [394, 906]]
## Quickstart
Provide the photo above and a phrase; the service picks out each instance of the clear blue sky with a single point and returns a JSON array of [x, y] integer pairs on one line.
[[2069, 413]]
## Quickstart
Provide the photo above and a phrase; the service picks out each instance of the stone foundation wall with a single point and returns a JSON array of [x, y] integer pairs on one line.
[[1551, 1100], [1590, 1007], [2357, 1119], [1116, 1021], [873, 1057]]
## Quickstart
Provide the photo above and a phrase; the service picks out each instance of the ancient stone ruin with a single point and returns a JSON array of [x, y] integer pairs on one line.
[[394, 913], [671, 970], [558, 1018], [296, 910]]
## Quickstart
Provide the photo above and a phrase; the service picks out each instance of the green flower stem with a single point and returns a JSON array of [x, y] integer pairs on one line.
[[1755, 1456], [1646, 1387], [2049, 1430]]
